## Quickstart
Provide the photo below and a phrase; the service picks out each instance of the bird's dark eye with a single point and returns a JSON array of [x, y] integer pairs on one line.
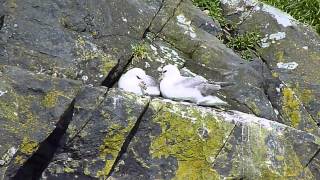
[[138, 77], [164, 71]]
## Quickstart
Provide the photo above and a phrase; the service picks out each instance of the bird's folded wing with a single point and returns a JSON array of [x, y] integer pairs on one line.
[[208, 89], [222, 84], [190, 82]]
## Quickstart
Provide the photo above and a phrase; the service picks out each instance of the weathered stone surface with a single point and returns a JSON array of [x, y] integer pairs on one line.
[[73, 39], [94, 142], [291, 51], [186, 141], [31, 106], [314, 166], [55, 126]]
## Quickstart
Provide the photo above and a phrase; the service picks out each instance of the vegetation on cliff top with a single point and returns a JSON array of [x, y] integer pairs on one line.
[[306, 11], [244, 44]]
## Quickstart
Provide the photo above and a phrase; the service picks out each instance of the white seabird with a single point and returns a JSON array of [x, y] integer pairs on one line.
[[136, 81], [195, 89]]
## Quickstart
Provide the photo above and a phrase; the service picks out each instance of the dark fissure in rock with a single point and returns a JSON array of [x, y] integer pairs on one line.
[[128, 139], [1, 21], [38, 162], [116, 72]]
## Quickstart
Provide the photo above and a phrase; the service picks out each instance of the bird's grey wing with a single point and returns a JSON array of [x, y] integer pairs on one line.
[[150, 81], [222, 84], [208, 89], [191, 82]]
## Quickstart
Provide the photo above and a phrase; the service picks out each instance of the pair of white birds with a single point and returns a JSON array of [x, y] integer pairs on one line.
[[172, 86]]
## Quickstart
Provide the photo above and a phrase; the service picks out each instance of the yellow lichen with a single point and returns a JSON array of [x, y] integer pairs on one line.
[[19, 160], [86, 171], [291, 107], [107, 65], [88, 51], [18, 108], [28, 146], [275, 75], [68, 170], [306, 96], [111, 146], [8, 110], [50, 99], [280, 56], [279, 158], [254, 108], [195, 170], [194, 144]]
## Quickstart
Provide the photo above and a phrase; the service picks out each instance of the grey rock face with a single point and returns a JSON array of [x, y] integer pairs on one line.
[[62, 118], [93, 143], [291, 52], [32, 106]]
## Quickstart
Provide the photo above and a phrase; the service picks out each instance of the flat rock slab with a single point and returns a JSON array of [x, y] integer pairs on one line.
[[95, 142], [31, 106], [176, 141]]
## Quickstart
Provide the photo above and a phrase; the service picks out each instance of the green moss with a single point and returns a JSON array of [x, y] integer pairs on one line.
[[291, 107], [111, 146], [28, 146], [140, 51], [50, 99], [194, 142]]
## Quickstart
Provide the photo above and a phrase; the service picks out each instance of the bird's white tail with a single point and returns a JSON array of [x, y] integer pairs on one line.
[[211, 101]]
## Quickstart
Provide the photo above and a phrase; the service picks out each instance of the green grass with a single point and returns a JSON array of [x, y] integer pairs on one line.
[[213, 6], [245, 44], [306, 11], [140, 50]]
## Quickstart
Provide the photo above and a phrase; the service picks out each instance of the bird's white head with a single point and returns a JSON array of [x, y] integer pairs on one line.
[[170, 71], [136, 73]]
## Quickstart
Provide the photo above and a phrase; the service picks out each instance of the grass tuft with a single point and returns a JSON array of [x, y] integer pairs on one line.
[[140, 51], [245, 44]]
